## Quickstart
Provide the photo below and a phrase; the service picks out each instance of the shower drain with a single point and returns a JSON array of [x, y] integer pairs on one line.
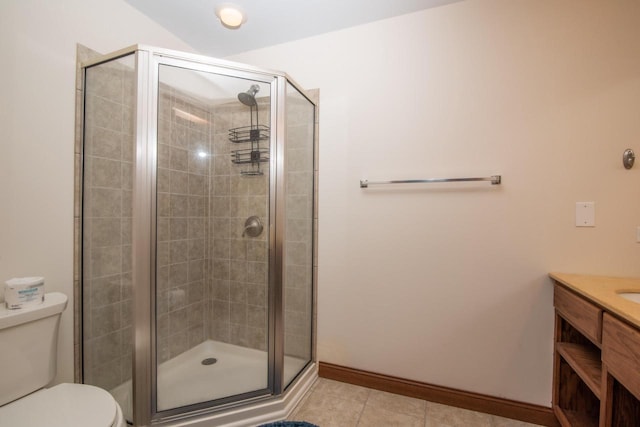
[[209, 361]]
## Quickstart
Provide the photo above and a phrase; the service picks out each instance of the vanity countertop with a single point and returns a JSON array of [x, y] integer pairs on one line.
[[603, 291]]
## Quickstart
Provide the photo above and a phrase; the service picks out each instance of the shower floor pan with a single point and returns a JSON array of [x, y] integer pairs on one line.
[[184, 380]]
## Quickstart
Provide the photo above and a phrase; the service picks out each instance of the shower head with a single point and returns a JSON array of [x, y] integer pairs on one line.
[[248, 98]]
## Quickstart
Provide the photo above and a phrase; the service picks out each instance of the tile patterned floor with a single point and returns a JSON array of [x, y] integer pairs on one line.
[[335, 404]]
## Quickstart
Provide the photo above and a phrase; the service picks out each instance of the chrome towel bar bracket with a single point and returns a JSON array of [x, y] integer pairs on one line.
[[494, 179]]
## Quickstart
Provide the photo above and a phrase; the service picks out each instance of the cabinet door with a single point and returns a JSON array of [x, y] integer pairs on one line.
[[621, 353]]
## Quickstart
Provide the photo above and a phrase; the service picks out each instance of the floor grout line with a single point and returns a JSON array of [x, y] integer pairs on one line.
[[363, 408], [426, 414]]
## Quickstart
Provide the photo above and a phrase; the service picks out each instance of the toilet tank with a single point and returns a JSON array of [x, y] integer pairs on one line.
[[28, 346]]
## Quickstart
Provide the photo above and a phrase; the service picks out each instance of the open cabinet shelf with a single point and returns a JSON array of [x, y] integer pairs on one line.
[[569, 418], [585, 362]]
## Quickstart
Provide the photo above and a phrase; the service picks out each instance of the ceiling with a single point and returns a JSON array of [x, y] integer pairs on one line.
[[269, 22]]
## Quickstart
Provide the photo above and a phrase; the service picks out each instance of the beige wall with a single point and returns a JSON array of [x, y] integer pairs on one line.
[[448, 284], [38, 47]]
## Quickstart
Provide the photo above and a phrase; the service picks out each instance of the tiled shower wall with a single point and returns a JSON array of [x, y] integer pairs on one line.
[[239, 273], [108, 160], [184, 135]]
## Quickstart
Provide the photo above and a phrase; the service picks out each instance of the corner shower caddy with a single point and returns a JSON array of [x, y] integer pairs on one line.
[[254, 155], [254, 133]]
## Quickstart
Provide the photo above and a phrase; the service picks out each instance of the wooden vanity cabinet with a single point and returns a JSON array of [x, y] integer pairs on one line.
[[596, 379]]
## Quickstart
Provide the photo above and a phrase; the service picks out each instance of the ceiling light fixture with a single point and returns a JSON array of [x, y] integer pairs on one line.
[[230, 15]]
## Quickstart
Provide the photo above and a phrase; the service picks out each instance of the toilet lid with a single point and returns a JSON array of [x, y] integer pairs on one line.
[[65, 405]]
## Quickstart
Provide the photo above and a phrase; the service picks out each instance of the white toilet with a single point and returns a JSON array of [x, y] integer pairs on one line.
[[28, 347]]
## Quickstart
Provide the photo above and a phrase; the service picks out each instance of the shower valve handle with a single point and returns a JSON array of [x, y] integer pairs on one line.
[[252, 227]]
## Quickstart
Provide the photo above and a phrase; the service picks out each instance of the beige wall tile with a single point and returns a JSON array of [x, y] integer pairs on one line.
[[178, 251], [257, 338], [197, 228], [164, 151], [238, 334], [105, 261], [195, 301], [103, 202], [105, 290], [103, 142], [197, 184], [238, 292], [179, 182], [238, 313], [179, 159], [105, 231], [178, 344], [179, 136], [103, 172], [256, 294], [257, 317], [196, 249], [257, 272], [178, 228], [101, 350], [178, 274], [106, 319], [238, 270], [106, 81], [107, 375], [127, 203], [198, 206], [178, 205], [196, 270]]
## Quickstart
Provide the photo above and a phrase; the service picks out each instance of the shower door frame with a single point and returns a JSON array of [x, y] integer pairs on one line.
[[146, 391], [147, 62]]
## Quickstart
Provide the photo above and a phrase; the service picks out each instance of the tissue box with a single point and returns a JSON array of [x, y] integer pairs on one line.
[[23, 292]]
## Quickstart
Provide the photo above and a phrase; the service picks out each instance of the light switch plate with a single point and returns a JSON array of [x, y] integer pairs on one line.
[[585, 214]]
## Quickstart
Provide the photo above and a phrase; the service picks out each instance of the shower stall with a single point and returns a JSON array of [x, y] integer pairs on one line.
[[196, 241]]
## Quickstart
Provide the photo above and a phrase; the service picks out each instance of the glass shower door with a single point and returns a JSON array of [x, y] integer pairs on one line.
[[212, 248], [298, 259], [108, 168]]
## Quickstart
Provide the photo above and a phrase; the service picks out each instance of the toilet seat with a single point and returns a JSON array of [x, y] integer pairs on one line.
[[65, 405]]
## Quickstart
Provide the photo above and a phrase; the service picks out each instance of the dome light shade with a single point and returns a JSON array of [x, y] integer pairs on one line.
[[230, 15]]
